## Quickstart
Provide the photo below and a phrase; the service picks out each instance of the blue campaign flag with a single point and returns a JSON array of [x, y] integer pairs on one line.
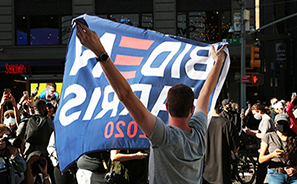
[[90, 117]]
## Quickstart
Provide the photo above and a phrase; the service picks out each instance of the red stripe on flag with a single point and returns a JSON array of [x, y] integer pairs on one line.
[[129, 75], [127, 60], [135, 43]]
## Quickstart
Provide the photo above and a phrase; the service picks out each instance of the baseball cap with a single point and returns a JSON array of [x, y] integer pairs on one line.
[[282, 117], [225, 101]]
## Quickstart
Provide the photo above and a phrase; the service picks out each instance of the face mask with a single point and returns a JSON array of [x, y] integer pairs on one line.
[[9, 121], [283, 127], [257, 117]]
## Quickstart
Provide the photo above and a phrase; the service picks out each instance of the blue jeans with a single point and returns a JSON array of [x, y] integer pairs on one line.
[[274, 177]]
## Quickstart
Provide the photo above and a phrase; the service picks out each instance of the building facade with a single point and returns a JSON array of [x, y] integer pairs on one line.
[[34, 33]]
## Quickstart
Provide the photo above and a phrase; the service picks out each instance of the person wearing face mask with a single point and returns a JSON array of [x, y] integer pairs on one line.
[[11, 117], [229, 114], [276, 150], [266, 125]]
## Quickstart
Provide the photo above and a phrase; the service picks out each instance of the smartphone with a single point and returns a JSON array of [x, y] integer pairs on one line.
[[7, 91], [280, 151], [294, 94]]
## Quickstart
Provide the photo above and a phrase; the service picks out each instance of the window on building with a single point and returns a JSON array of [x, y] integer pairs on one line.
[[147, 21], [182, 24], [226, 23], [42, 22], [21, 30], [132, 12], [65, 28], [130, 19], [204, 26], [44, 30]]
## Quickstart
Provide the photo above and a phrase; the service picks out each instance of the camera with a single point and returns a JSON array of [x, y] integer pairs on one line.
[[35, 168], [12, 140], [111, 177]]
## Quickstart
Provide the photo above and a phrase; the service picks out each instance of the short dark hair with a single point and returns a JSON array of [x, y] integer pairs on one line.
[[180, 100], [39, 104], [49, 105]]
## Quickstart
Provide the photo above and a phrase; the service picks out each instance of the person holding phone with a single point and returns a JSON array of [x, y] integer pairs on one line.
[[276, 149], [11, 117]]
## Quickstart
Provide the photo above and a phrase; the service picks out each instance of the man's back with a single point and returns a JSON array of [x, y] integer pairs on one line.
[[221, 138], [41, 133], [176, 156]]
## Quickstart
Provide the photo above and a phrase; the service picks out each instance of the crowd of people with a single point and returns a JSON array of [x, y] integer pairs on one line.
[[274, 130], [25, 130], [184, 151]]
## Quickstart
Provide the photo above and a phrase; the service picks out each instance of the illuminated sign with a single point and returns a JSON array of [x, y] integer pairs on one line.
[[17, 68]]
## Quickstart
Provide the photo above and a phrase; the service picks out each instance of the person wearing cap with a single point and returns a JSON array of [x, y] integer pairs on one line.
[[10, 160], [229, 114], [276, 150]]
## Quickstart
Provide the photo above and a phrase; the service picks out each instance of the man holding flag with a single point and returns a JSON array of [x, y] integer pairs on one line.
[[177, 149]]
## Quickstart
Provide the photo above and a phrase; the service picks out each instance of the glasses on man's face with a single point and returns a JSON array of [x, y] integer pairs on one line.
[[53, 91]]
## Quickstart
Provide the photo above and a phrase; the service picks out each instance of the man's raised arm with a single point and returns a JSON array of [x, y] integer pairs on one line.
[[142, 116], [211, 81]]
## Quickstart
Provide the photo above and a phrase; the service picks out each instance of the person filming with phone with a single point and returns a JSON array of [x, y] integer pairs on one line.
[[11, 116], [279, 149]]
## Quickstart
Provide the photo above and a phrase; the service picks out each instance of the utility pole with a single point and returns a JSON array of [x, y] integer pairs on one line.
[[243, 42]]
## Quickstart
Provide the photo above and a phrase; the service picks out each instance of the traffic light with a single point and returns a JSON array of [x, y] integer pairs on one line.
[[255, 55], [258, 79]]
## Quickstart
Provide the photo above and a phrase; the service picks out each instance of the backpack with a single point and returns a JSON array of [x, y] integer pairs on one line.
[[37, 130]]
